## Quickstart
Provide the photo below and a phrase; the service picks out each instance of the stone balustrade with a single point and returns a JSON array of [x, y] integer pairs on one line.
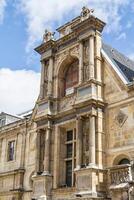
[[120, 174]]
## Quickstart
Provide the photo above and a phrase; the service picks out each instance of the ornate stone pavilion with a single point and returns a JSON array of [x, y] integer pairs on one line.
[[78, 143]]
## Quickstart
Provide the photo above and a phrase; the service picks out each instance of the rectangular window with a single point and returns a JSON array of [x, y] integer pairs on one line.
[[70, 157], [69, 135], [11, 146], [69, 150], [69, 173]]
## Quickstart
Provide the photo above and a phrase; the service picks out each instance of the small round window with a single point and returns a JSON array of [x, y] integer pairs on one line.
[[124, 161]]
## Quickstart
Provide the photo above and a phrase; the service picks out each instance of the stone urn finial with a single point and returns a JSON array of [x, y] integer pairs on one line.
[[86, 12], [48, 35]]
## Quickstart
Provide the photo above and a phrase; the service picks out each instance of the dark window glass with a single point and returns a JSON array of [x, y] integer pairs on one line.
[[69, 173], [69, 150], [124, 161], [11, 150], [69, 135]]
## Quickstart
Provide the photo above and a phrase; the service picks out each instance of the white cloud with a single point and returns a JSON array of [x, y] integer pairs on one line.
[[42, 14], [122, 36], [129, 24], [18, 90], [2, 9], [131, 56]]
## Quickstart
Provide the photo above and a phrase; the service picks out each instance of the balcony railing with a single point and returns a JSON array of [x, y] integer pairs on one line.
[[120, 174]]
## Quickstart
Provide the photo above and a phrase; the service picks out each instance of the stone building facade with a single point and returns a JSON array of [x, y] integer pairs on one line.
[[78, 143]]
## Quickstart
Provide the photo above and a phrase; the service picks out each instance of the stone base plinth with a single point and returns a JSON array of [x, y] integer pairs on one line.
[[86, 182], [42, 185]]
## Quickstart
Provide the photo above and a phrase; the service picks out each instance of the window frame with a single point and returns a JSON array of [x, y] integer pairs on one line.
[[2, 122], [8, 153], [72, 158]]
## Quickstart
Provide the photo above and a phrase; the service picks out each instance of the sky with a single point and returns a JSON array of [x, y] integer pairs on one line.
[[22, 24]]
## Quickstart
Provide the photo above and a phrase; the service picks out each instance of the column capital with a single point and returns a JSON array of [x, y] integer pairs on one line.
[[92, 35], [38, 131], [93, 112], [86, 36], [79, 117]]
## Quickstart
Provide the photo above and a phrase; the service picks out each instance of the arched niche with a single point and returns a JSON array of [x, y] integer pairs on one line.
[[124, 161], [121, 160], [68, 75]]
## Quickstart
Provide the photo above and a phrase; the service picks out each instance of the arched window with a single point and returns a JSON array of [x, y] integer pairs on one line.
[[71, 76], [124, 161]]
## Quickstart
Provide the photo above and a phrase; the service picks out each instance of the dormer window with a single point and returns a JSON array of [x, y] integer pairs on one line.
[[2, 122], [71, 78]]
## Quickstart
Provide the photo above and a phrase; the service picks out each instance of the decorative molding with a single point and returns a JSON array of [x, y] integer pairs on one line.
[[121, 118]]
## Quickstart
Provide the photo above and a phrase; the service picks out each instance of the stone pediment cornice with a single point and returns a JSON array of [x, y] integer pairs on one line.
[[90, 23], [55, 45], [77, 29], [45, 46]]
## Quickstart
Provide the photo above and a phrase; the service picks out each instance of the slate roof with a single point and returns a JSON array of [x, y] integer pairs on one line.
[[122, 63]]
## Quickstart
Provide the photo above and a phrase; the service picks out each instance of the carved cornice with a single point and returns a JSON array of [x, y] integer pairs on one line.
[[45, 46], [90, 23], [12, 172]]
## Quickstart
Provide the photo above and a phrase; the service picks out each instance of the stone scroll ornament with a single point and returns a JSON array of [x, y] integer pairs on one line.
[[121, 118]]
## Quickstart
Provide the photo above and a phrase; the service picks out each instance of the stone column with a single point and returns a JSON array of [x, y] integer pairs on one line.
[[56, 156], [91, 57], [98, 64], [98, 56], [47, 151], [79, 142], [92, 160], [50, 77], [100, 133], [80, 62], [37, 164], [42, 80]]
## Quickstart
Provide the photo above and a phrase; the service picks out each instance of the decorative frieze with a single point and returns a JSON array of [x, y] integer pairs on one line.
[[43, 108], [67, 102]]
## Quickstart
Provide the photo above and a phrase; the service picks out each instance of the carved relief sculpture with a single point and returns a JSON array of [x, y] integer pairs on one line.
[[86, 59], [121, 118]]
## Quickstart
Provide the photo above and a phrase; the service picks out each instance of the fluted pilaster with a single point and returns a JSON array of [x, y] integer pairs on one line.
[[80, 62], [50, 76], [92, 150], [47, 151], [79, 142], [91, 57]]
